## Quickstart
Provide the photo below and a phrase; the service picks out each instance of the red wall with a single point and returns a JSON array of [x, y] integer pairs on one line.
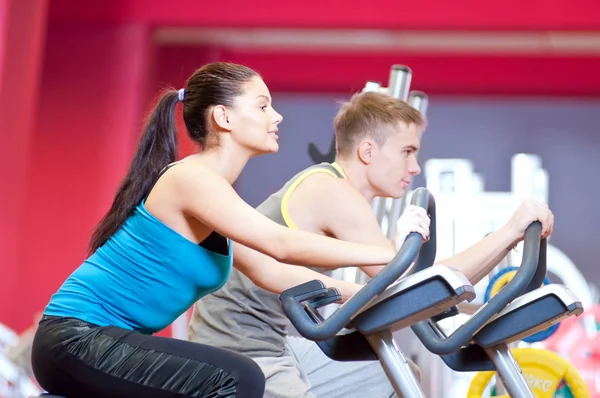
[[346, 71], [98, 84], [92, 97], [22, 37], [509, 15], [68, 133]]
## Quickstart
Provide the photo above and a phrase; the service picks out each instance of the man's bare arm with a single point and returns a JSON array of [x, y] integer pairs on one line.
[[328, 205], [343, 213], [478, 260]]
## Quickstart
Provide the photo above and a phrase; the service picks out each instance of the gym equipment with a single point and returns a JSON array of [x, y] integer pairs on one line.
[[467, 213], [518, 310], [14, 379], [577, 341], [318, 157], [383, 305], [479, 344], [14, 382], [543, 370], [498, 281]]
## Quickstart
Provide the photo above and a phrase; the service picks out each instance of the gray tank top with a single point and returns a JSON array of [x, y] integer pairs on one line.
[[241, 316]]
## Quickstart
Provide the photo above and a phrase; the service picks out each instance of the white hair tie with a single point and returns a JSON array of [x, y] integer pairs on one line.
[[181, 94]]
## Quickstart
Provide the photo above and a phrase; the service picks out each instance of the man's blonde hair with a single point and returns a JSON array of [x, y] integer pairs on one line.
[[371, 114]]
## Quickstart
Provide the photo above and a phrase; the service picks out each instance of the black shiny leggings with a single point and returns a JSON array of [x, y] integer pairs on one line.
[[78, 359]]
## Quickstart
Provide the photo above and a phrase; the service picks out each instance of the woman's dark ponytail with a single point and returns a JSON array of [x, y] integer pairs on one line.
[[218, 83], [156, 149]]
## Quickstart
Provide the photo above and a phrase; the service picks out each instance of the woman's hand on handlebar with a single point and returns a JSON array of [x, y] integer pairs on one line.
[[413, 219], [530, 211]]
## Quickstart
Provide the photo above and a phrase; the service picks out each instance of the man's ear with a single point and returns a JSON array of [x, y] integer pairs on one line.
[[220, 117], [365, 151]]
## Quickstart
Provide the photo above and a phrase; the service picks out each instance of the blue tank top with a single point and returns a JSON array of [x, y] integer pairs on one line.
[[143, 278]]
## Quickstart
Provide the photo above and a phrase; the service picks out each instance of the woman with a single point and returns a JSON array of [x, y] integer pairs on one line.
[[165, 243]]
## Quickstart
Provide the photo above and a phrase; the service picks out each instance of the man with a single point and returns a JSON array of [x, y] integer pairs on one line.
[[377, 138]]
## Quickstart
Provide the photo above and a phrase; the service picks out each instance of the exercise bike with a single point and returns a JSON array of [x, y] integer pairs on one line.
[[382, 306], [422, 298]]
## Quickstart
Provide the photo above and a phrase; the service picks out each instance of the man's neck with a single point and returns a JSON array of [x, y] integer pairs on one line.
[[356, 175]]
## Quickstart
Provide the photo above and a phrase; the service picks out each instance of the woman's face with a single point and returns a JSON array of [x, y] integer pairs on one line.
[[253, 120]]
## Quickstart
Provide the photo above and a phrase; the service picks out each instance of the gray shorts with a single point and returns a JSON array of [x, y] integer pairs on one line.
[[305, 372]]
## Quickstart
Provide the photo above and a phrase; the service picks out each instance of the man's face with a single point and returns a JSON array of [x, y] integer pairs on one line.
[[394, 164]]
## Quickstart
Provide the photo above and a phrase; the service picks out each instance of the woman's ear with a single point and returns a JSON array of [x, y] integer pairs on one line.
[[220, 117]]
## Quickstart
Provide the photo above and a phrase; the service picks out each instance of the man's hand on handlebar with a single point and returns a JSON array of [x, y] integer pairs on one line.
[[413, 219], [529, 211]]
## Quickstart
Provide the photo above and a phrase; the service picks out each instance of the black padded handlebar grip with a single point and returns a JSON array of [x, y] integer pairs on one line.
[[540, 271], [514, 288]]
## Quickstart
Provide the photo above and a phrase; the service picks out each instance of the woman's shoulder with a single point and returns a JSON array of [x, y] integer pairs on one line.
[[187, 175]]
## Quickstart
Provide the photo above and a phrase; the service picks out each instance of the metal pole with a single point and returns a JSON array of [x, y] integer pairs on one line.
[[399, 84], [395, 365], [509, 372]]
